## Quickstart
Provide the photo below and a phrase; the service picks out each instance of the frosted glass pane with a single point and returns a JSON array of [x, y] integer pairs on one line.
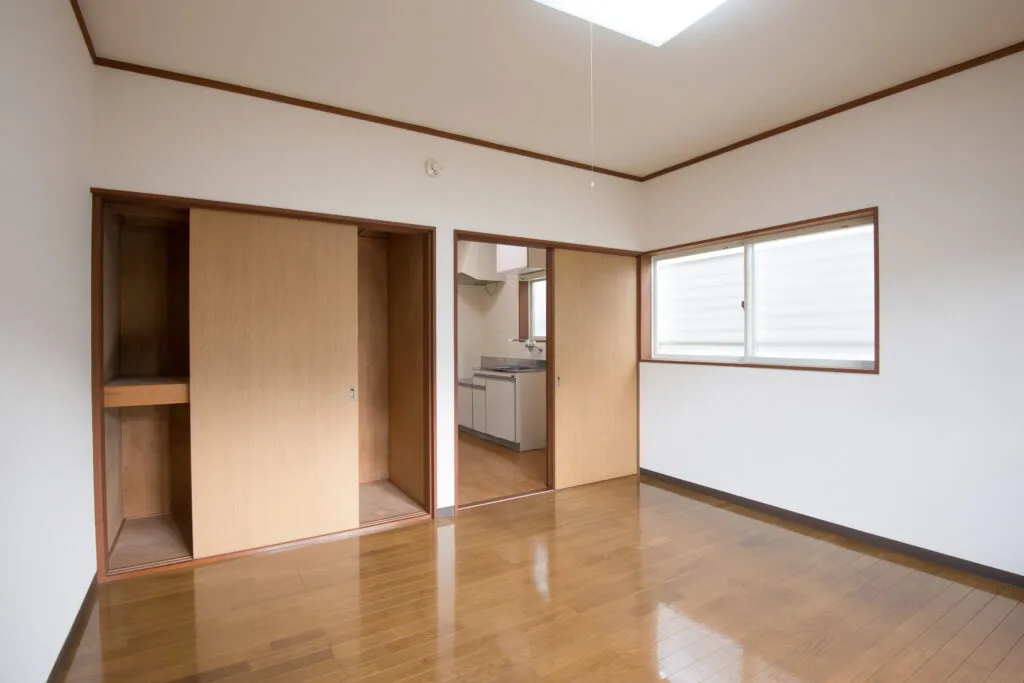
[[699, 304], [814, 296], [539, 308]]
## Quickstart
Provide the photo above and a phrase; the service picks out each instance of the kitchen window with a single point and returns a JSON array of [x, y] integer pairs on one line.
[[533, 307], [539, 308], [801, 296]]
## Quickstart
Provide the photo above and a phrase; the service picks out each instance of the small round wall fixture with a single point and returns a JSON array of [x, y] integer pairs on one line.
[[433, 168]]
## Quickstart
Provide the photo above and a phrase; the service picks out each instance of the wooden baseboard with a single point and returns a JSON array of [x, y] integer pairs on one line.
[[74, 635], [880, 542]]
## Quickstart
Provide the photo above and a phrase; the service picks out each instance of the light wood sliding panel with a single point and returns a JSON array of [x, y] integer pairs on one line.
[[409, 460], [595, 358], [274, 353], [373, 358]]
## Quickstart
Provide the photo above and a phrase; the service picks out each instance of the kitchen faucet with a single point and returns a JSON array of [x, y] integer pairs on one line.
[[530, 343]]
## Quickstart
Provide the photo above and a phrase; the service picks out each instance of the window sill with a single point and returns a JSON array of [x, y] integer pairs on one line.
[[853, 367]]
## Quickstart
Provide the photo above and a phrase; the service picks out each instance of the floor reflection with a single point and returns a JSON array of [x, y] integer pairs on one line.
[[608, 582], [540, 569], [687, 650]]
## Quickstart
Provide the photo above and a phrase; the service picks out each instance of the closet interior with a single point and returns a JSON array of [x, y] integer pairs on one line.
[[394, 476], [258, 375], [146, 386]]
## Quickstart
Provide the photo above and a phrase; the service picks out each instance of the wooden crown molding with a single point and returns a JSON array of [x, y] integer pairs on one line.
[[847, 106], [328, 108], [458, 137], [352, 114], [80, 18]]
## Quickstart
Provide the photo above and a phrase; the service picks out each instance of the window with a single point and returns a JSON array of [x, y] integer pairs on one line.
[[538, 308], [801, 296], [533, 307]]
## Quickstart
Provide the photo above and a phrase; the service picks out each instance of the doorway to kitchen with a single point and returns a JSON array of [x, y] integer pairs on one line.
[[503, 329]]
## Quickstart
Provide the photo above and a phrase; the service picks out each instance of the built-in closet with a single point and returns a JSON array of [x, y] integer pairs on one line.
[[260, 379], [393, 319], [146, 417]]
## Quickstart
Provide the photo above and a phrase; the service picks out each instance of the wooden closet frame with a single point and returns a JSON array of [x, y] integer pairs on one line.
[[100, 197], [549, 352]]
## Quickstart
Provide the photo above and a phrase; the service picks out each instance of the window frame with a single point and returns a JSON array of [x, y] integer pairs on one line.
[[647, 336], [526, 306]]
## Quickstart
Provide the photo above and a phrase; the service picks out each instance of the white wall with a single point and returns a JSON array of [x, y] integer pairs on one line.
[[473, 303], [931, 451], [46, 514], [152, 135]]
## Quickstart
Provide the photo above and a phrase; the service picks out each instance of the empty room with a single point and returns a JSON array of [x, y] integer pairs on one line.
[[512, 340]]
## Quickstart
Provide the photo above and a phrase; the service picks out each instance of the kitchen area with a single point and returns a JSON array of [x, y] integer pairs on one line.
[[502, 371]]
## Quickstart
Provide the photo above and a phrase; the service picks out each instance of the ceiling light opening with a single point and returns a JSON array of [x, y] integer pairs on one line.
[[654, 22]]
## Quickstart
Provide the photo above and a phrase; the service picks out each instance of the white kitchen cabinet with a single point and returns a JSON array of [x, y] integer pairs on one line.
[[501, 407], [531, 410], [510, 259], [512, 407], [465, 406], [478, 260], [479, 408]]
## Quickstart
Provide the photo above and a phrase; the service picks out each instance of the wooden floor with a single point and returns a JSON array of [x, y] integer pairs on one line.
[[379, 500], [488, 471], [147, 541], [607, 582]]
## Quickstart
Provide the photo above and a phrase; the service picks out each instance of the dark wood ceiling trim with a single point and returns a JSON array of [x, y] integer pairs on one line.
[[416, 128], [350, 113], [84, 29], [491, 238], [852, 104]]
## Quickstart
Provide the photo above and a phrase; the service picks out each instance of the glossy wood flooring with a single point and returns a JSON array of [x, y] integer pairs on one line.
[[607, 582], [488, 471]]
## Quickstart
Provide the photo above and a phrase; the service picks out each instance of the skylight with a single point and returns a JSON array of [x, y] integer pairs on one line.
[[653, 21]]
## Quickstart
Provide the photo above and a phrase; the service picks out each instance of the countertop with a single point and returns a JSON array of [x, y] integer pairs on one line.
[[517, 371], [483, 372]]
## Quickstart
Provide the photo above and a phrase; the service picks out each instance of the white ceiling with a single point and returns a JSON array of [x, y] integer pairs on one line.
[[516, 72]]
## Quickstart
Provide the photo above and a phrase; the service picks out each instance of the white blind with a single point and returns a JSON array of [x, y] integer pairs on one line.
[[699, 304], [814, 296]]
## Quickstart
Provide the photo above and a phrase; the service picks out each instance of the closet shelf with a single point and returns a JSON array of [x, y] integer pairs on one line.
[[123, 392]]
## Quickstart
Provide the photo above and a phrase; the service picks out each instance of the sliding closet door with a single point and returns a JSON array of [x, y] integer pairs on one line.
[[595, 361], [274, 356]]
